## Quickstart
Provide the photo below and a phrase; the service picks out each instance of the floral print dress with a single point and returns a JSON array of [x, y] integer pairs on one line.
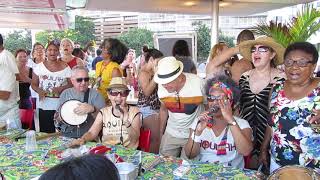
[[293, 140]]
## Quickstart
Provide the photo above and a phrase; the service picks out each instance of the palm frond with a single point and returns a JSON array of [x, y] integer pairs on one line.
[[300, 28], [277, 31], [305, 24]]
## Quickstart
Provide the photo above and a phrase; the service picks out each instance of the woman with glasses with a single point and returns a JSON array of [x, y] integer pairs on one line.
[[120, 123], [49, 79], [256, 84], [216, 135], [224, 60], [113, 53], [295, 140]]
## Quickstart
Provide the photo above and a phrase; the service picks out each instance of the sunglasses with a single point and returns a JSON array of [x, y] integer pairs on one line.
[[214, 98], [124, 93], [300, 63], [79, 80], [260, 49]]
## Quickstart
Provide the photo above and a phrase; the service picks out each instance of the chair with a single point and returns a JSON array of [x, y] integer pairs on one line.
[[247, 160], [144, 139], [26, 117]]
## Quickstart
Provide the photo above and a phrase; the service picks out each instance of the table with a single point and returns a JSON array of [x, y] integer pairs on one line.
[[15, 163]]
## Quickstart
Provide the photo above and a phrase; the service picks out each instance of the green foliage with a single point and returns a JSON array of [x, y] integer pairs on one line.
[[84, 28], [83, 32], [227, 39], [135, 38], [300, 28], [204, 40], [20, 39]]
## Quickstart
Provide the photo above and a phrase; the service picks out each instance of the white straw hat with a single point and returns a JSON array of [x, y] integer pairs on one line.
[[169, 68]]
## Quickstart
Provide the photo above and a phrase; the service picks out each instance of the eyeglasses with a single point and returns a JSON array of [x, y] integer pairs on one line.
[[261, 49], [300, 63], [79, 80], [124, 93], [211, 98]]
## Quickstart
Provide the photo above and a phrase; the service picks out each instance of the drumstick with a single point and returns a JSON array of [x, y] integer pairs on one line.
[[48, 135]]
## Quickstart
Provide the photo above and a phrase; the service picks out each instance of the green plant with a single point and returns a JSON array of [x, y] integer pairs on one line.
[[83, 32], [300, 28], [135, 38], [18, 39]]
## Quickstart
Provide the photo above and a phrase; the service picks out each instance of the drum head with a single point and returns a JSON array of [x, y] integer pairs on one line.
[[294, 173], [67, 114]]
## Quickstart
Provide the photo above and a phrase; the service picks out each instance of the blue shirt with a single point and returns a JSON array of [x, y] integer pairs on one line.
[[95, 61]]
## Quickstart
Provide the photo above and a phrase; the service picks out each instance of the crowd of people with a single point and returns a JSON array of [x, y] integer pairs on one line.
[[263, 107]]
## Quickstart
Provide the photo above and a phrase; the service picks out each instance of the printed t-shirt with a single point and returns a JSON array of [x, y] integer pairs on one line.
[[111, 131], [47, 81], [209, 143], [183, 107]]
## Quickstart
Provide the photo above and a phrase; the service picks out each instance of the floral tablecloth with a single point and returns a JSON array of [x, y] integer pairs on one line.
[[16, 163]]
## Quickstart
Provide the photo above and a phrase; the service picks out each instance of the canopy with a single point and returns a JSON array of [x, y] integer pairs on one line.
[[33, 14], [226, 7], [52, 14]]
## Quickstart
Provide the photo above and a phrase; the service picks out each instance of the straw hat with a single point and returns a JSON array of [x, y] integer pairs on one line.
[[118, 83], [245, 48], [169, 68]]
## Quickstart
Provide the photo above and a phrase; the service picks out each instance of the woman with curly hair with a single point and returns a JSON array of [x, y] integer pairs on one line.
[[113, 53]]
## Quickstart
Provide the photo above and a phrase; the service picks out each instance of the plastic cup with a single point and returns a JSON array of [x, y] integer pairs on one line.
[[31, 144]]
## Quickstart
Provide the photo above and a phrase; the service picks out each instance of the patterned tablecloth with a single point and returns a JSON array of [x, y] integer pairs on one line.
[[16, 163]]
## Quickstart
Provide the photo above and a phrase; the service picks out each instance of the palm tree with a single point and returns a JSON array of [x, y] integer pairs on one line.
[[300, 28]]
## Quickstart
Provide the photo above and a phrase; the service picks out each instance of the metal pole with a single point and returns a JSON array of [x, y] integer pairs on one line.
[[214, 22]]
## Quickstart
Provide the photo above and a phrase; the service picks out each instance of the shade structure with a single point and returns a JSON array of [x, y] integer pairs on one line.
[[226, 7], [33, 14]]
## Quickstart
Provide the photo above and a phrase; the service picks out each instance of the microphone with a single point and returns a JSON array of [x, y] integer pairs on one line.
[[118, 107], [213, 110]]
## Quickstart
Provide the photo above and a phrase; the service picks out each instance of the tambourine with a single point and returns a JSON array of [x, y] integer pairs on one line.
[[68, 115], [294, 172]]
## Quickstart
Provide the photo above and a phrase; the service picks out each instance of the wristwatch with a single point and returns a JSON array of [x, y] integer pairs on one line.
[[233, 123]]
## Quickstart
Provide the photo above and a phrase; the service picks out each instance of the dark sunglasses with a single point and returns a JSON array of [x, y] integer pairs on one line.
[[213, 98], [79, 80], [300, 63], [260, 49], [124, 93]]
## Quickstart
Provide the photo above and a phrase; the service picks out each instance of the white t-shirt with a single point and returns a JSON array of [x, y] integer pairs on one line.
[[209, 143], [33, 65], [9, 109], [183, 108], [8, 60], [49, 80]]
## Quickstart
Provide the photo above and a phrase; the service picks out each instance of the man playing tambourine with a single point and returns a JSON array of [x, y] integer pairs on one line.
[[78, 106]]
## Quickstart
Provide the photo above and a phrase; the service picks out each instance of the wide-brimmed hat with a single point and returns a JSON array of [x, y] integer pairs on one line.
[[118, 83], [169, 68], [245, 48]]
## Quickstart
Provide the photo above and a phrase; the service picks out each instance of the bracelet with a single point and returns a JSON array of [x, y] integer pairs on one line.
[[196, 138]]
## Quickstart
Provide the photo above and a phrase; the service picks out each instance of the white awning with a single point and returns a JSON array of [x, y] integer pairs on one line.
[[33, 14], [226, 7]]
